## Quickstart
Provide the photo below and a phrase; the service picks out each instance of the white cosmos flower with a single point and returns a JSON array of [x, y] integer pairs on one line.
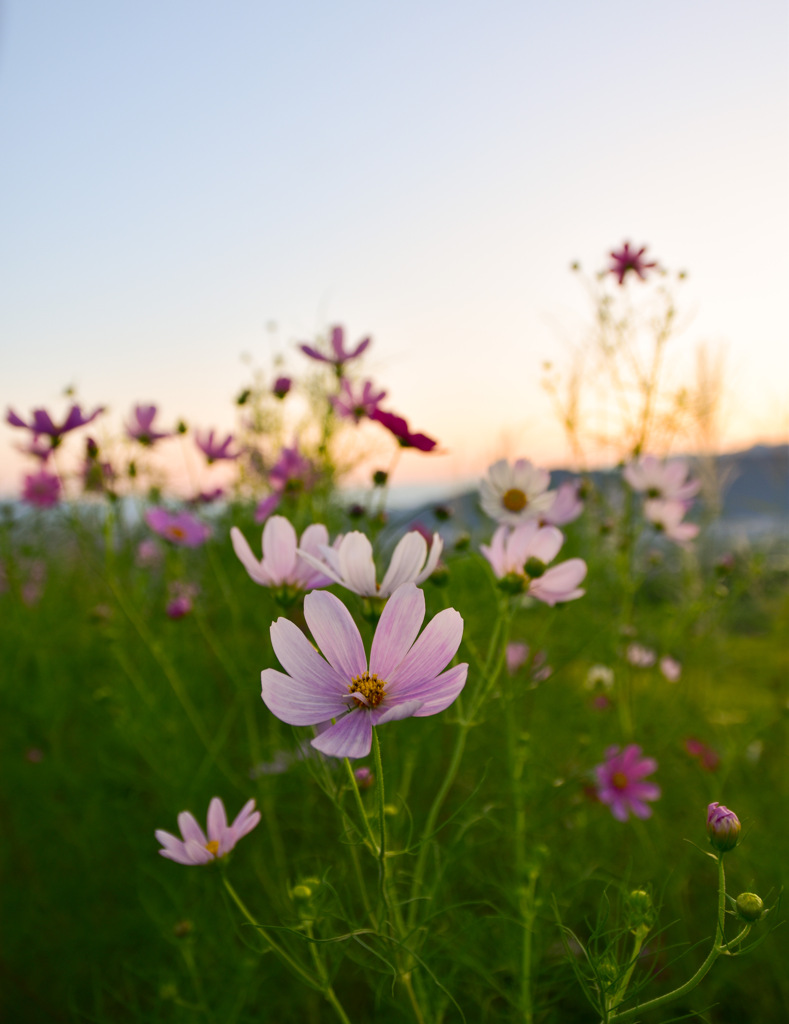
[[513, 494], [351, 563]]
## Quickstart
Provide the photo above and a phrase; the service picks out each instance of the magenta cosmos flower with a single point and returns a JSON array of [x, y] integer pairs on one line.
[[197, 848], [520, 557], [350, 563], [399, 427], [354, 403], [41, 489], [140, 426], [514, 494], [658, 479], [280, 564], [405, 675], [211, 447], [626, 259], [42, 423], [340, 355], [179, 527], [620, 782]]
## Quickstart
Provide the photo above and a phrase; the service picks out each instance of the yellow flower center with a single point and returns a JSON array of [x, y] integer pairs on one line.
[[370, 686], [514, 500], [213, 846], [619, 780], [178, 532]]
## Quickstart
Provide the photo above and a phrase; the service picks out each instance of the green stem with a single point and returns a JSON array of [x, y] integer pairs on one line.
[[320, 967]]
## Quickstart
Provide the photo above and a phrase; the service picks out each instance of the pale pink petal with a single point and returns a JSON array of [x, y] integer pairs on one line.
[[217, 820], [407, 559], [351, 736], [395, 713], [437, 694], [335, 633], [397, 629], [197, 853], [436, 548], [546, 544], [279, 548], [246, 819], [247, 558], [355, 556], [297, 702], [560, 583], [300, 659], [434, 649], [187, 823]]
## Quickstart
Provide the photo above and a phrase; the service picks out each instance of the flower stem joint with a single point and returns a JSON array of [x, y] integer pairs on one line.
[[723, 827]]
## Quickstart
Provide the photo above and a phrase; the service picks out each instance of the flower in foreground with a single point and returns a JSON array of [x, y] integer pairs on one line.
[[179, 527], [626, 259], [405, 676], [280, 564], [340, 355], [514, 494], [195, 847], [519, 558], [723, 827], [42, 422], [351, 563], [41, 489], [620, 782], [140, 426]]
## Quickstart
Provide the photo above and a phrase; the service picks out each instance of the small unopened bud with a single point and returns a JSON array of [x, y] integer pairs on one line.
[[243, 398], [301, 892], [750, 907], [534, 568], [181, 427], [723, 827], [640, 911], [380, 476]]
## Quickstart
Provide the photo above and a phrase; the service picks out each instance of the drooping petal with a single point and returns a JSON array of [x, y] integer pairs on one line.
[[279, 548], [297, 702], [351, 736], [437, 694], [432, 559], [434, 649], [407, 559], [395, 713], [217, 820], [336, 633], [397, 629], [187, 823], [355, 556]]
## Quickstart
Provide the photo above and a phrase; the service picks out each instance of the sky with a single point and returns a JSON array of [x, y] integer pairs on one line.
[[188, 186]]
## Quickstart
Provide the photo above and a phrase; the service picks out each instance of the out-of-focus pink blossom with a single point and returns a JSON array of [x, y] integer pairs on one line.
[[266, 506], [517, 654], [181, 600], [625, 260], [601, 703], [567, 505], [213, 450], [280, 565], [517, 493], [355, 403], [37, 448], [640, 656], [195, 847], [666, 516], [180, 528], [708, 758], [670, 668], [282, 386], [620, 782], [140, 426], [399, 427], [364, 778], [42, 422], [339, 354], [41, 489], [292, 471], [657, 478], [149, 553], [520, 556]]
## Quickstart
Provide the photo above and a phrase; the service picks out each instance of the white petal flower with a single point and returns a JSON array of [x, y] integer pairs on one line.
[[517, 493]]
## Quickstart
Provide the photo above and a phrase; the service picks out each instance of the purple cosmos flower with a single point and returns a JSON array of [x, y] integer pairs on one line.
[[282, 386], [520, 557], [340, 355], [666, 516], [708, 758], [723, 827], [620, 782], [515, 494], [292, 471], [351, 563], [212, 449], [195, 847], [37, 448], [399, 427], [627, 259], [181, 599], [670, 668], [566, 507], [280, 565], [42, 489], [658, 479], [179, 527], [355, 405], [42, 422], [405, 676], [140, 426], [266, 506]]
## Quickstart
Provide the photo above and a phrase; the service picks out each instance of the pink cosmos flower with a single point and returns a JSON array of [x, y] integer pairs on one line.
[[41, 489], [708, 758], [195, 847], [355, 405], [640, 656], [627, 259], [513, 494], [399, 427], [280, 564], [212, 449], [405, 675], [521, 556], [340, 355], [666, 516], [620, 782], [517, 654], [659, 479], [42, 422], [140, 426], [670, 668], [179, 527], [292, 471], [351, 563], [567, 505], [723, 827], [181, 599], [266, 506]]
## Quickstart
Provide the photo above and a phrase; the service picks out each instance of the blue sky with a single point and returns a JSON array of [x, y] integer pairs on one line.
[[177, 177]]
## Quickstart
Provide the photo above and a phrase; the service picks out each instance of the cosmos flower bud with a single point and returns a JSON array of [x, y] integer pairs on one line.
[[640, 911], [750, 907], [723, 827]]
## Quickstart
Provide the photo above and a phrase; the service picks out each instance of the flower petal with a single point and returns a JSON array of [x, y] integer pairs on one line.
[[187, 823], [436, 548], [397, 629], [336, 633], [297, 702], [434, 649], [437, 694], [217, 820], [396, 712], [247, 558], [351, 736], [279, 549], [355, 557], [301, 661], [407, 559]]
